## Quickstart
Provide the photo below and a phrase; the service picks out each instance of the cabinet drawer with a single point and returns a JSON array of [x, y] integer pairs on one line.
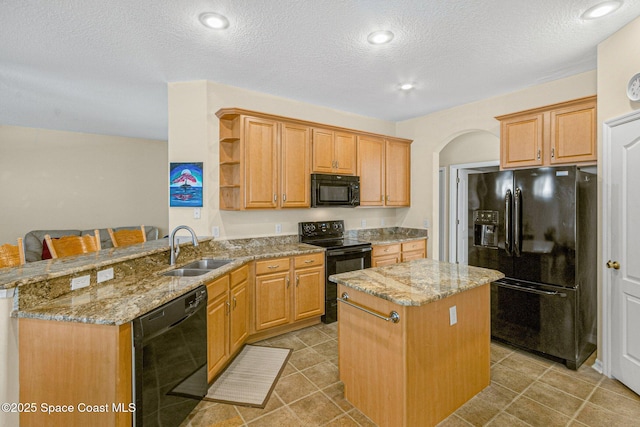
[[217, 287], [381, 250], [408, 256], [413, 246], [240, 275], [311, 260], [272, 265]]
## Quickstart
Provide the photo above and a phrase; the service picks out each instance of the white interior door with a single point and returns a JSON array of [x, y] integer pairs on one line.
[[622, 246]]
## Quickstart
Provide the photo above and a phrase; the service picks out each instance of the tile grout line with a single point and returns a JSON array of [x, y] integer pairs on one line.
[[584, 403]]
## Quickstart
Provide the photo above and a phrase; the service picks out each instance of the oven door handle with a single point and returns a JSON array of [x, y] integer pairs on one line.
[[530, 290], [348, 252]]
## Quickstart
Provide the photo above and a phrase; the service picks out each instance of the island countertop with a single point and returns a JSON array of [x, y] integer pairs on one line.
[[417, 282]]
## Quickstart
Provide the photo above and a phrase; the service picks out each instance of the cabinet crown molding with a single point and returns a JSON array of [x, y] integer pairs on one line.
[[544, 108]]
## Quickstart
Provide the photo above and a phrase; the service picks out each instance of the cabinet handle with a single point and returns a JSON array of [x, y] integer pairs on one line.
[[382, 198], [553, 152], [228, 308], [337, 164], [284, 197], [309, 261], [297, 280], [386, 250], [275, 197], [387, 197], [287, 282], [538, 154], [235, 303], [273, 266]]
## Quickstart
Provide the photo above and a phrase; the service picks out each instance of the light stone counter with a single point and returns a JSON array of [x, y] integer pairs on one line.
[[139, 286], [418, 282]]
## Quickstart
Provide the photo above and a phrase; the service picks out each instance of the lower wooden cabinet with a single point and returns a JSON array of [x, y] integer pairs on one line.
[[394, 253], [283, 283], [227, 318]]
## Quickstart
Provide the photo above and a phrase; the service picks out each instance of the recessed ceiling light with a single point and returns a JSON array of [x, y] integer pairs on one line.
[[214, 21], [406, 86], [380, 37], [601, 9]]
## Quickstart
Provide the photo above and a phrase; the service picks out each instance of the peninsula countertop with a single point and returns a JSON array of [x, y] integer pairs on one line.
[[417, 282]]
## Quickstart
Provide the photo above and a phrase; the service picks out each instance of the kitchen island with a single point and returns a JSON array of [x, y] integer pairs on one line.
[[414, 339]]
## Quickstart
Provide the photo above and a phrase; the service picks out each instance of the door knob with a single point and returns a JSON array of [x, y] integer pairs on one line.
[[613, 264]]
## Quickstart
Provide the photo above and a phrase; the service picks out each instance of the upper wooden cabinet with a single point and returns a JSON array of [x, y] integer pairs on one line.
[[333, 152], [562, 133], [384, 167], [266, 161]]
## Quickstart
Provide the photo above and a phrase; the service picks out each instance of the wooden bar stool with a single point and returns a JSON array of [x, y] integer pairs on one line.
[[127, 237], [12, 255], [73, 245]]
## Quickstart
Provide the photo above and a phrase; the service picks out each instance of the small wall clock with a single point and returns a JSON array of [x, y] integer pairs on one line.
[[633, 88]]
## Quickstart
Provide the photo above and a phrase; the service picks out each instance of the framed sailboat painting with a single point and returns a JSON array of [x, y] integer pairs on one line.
[[185, 185]]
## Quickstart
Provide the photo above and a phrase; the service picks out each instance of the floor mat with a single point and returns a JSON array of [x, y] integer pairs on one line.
[[251, 377]]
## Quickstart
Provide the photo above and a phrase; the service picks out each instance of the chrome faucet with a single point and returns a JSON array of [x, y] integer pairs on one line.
[[175, 249]]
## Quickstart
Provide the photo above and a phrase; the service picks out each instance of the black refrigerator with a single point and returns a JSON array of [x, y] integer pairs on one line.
[[538, 227]]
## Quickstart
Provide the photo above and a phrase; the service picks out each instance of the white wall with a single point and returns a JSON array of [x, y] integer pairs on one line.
[[473, 147], [193, 136], [433, 132], [57, 180], [9, 384]]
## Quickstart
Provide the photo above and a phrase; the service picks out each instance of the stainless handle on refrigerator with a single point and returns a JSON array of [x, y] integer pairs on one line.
[[508, 238], [531, 290], [517, 231]]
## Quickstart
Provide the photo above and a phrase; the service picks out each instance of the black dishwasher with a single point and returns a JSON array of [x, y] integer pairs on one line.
[[170, 352]]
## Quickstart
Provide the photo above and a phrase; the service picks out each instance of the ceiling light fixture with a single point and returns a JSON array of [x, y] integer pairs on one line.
[[601, 9], [380, 37], [214, 21], [406, 86]]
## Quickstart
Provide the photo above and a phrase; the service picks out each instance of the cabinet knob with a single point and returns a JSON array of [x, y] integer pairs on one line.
[[273, 266]]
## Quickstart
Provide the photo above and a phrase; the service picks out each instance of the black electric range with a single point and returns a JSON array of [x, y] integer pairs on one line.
[[342, 255]]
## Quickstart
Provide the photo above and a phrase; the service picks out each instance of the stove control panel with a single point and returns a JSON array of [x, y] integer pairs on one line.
[[320, 229]]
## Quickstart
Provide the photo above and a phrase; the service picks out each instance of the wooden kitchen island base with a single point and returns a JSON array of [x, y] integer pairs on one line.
[[420, 370]]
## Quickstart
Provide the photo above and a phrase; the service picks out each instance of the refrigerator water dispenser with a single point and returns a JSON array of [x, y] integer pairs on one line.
[[485, 228]]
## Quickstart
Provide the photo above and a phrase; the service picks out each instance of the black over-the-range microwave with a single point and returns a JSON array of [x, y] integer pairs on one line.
[[335, 191]]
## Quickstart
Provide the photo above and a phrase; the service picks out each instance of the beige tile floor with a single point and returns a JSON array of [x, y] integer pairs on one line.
[[525, 390]]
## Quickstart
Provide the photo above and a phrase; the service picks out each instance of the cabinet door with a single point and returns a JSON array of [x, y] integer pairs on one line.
[[380, 261], [295, 171], [239, 317], [521, 140], [573, 134], [411, 255], [261, 163], [218, 334], [398, 173], [322, 151], [309, 293], [371, 170], [344, 153], [272, 300]]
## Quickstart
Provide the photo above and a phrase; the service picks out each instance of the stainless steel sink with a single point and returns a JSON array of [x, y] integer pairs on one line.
[[186, 272], [208, 263]]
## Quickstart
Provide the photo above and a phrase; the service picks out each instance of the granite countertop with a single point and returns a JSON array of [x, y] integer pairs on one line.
[[389, 235], [42, 288], [417, 282], [121, 300]]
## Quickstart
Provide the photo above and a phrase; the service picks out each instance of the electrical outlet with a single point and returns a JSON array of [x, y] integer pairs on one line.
[[278, 228], [425, 223], [363, 223], [196, 213], [382, 222], [80, 282], [453, 315], [104, 275], [215, 230]]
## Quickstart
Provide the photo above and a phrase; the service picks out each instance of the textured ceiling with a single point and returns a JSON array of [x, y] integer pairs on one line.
[[103, 66]]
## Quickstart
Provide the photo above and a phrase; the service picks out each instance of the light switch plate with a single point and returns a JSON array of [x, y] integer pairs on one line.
[[453, 315], [80, 282], [104, 275], [363, 223], [196, 213], [278, 228], [215, 231]]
